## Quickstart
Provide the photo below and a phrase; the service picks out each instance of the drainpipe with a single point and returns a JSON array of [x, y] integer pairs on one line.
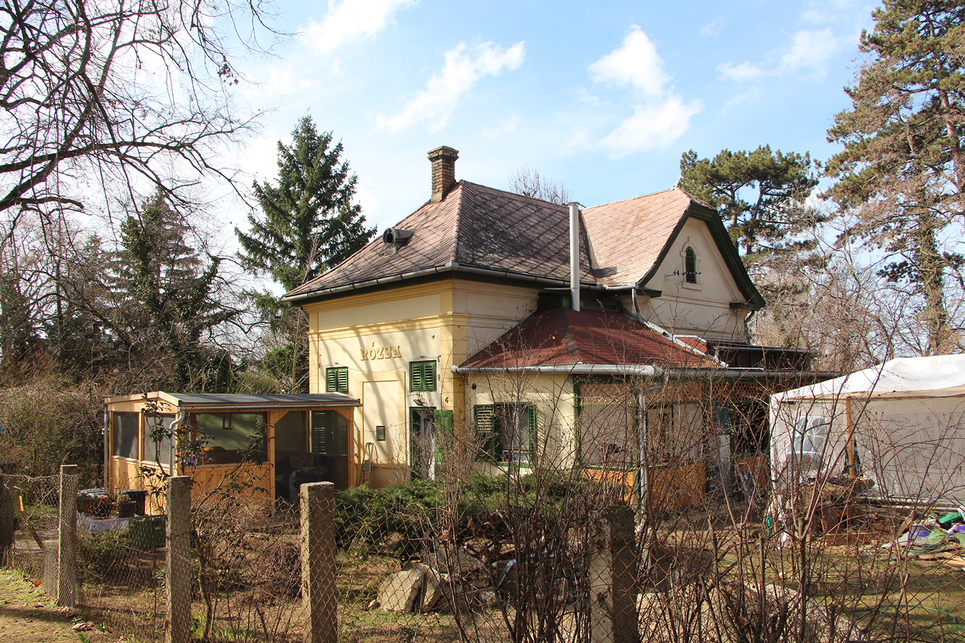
[[107, 449], [644, 485], [747, 325], [575, 254]]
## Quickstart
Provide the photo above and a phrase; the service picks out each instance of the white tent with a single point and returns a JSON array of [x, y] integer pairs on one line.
[[902, 424]]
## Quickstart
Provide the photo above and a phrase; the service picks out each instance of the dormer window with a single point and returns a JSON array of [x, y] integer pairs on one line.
[[690, 265]]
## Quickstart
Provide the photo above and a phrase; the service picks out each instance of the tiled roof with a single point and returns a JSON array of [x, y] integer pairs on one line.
[[628, 236], [563, 337], [477, 227]]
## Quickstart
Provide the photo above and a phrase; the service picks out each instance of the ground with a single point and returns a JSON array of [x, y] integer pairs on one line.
[[28, 615]]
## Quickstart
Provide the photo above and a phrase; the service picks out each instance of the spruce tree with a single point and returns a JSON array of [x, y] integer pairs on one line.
[[902, 171], [309, 222]]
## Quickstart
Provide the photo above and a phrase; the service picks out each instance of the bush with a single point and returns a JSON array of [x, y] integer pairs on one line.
[[112, 557], [47, 423]]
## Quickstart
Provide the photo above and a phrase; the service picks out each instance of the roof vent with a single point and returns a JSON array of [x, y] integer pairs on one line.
[[395, 238], [443, 161]]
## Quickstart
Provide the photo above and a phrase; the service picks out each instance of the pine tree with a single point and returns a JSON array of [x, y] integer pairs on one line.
[[310, 223], [902, 170], [760, 195]]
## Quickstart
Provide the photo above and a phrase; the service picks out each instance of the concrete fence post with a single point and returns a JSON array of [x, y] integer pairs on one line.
[[317, 508], [178, 559], [612, 570], [67, 537]]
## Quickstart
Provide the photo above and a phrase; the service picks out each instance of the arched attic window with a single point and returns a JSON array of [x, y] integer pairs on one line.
[[690, 265]]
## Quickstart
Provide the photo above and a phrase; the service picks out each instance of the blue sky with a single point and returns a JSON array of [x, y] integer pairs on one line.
[[603, 97]]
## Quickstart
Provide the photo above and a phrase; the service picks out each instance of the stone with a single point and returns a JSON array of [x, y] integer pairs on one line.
[[432, 586], [399, 591], [462, 564]]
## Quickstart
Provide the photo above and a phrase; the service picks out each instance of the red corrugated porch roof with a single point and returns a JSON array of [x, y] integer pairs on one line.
[[562, 336]]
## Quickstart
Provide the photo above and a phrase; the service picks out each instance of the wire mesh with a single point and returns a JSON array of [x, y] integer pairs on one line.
[[540, 556], [35, 503]]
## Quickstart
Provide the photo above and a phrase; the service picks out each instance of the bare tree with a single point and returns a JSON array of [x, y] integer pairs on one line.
[[528, 182], [97, 94]]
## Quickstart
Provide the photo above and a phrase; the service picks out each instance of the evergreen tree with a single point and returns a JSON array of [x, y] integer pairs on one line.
[[760, 195], [309, 223], [901, 171], [169, 294]]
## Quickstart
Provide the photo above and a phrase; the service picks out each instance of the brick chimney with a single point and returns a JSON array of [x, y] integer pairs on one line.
[[443, 161]]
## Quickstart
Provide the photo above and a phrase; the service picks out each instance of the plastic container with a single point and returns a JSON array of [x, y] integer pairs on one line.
[[147, 532], [125, 508]]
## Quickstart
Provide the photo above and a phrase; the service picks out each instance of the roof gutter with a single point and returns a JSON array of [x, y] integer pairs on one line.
[[451, 266], [642, 370], [254, 408]]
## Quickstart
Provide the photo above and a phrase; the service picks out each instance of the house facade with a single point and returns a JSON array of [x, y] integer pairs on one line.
[[516, 332]]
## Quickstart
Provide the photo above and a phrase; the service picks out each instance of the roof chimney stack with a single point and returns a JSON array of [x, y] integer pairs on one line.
[[443, 161]]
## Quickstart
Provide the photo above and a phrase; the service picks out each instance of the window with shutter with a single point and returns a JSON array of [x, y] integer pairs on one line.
[[336, 379], [690, 266], [422, 376], [329, 433], [505, 432]]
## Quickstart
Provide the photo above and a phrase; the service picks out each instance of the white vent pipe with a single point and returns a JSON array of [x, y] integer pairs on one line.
[[575, 255]]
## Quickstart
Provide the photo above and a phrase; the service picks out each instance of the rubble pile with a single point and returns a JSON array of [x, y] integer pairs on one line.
[[437, 582]]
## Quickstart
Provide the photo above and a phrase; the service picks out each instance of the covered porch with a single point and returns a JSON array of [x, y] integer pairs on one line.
[[270, 444]]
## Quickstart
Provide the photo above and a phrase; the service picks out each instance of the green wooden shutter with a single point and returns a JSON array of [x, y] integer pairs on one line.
[[487, 432], [422, 376], [336, 380], [415, 376]]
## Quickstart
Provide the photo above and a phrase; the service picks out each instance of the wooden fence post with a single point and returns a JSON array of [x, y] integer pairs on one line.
[[178, 577], [67, 537], [317, 502]]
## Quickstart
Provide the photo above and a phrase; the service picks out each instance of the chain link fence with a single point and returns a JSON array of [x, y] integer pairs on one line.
[[537, 555]]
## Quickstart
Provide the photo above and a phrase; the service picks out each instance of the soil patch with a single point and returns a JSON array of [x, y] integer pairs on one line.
[[28, 615]]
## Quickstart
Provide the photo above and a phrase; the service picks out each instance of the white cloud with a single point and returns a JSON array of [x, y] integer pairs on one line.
[[350, 20], [660, 116], [636, 63], [744, 71], [807, 49], [742, 98], [461, 71], [712, 28], [810, 49], [651, 126]]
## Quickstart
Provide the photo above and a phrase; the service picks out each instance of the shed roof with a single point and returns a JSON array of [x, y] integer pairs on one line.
[[251, 401]]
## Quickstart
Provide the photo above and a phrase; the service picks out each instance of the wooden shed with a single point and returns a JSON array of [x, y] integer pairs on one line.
[[269, 443]]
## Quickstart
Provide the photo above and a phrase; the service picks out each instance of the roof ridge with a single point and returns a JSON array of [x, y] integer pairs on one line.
[[457, 223], [514, 194], [635, 198]]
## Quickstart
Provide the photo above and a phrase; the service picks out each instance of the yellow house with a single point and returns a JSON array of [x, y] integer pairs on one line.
[[486, 316]]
